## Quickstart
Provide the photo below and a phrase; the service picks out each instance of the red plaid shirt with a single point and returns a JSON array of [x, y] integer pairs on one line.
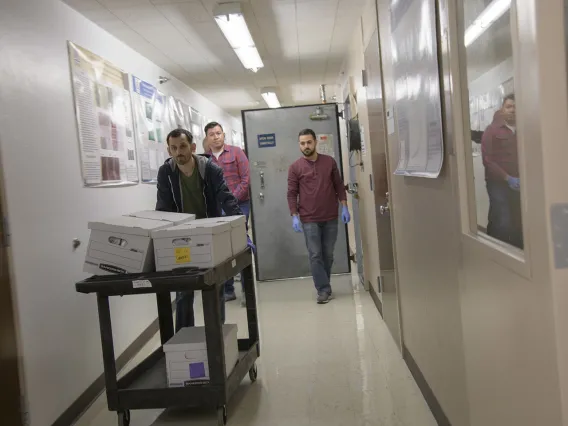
[[235, 167]]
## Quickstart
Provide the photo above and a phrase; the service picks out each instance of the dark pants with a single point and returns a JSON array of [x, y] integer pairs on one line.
[[505, 220], [230, 284], [320, 241], [185, 316]]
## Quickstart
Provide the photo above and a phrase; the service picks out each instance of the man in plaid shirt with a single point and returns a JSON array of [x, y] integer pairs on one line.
[[236, 170]]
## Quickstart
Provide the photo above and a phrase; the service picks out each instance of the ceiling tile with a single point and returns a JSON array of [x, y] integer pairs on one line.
[[189, 12]]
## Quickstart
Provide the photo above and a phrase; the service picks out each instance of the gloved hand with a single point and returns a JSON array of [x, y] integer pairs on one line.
[[514, 183], [296, 224], [251, 245], [345, 216]]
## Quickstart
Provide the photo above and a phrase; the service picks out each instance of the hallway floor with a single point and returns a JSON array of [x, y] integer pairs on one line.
[[321, 365]]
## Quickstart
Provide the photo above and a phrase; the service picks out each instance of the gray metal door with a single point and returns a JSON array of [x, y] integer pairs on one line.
[[271, 140]]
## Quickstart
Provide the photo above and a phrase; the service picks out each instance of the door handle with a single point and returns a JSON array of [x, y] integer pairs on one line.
[[261, 180], [261, 196], [385, 208]]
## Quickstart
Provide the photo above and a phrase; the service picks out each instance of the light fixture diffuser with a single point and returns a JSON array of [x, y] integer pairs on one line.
[[231, 21], [269, 96], [490, 14]]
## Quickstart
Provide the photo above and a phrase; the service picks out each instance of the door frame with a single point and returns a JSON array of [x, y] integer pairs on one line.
[[392, 197], [9, 357], [341, 170]]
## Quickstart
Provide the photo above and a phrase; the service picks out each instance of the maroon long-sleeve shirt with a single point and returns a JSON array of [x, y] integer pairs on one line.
[[315, 189], [499, 151]]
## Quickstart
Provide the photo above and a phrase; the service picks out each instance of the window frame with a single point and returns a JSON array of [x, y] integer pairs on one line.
[[473, 239]]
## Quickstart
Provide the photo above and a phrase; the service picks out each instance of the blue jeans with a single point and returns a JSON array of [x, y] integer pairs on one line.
[[230, 284], [320, 241], [504, 220], [185, 316]]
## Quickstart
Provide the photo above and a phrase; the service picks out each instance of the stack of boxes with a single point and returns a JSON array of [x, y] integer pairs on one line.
[[160, 241]]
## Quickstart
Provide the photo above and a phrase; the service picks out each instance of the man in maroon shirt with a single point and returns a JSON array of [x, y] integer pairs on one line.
[[315, 189], [500, 158]]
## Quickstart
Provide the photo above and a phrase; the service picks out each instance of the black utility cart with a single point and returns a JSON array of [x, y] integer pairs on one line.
[[146, 387]]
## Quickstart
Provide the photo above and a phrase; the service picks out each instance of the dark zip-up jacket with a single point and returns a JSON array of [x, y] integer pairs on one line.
[[218, 197]]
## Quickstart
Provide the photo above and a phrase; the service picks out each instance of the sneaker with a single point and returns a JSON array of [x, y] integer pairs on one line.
[[229, 297], [324, 298]]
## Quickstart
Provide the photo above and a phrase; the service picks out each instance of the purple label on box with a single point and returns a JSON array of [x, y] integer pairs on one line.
[[197, 370]]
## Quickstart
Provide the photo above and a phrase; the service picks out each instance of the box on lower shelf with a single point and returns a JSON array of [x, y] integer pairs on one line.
[[186, 355], [200, 243], [123, 244]]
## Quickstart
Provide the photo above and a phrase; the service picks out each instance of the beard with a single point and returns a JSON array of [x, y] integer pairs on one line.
[[308, 152], [182, 159]]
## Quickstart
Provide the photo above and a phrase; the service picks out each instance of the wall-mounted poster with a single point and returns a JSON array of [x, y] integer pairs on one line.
[[152, 124], [178, 114], [104, 120], [418, 104], [196, 122]]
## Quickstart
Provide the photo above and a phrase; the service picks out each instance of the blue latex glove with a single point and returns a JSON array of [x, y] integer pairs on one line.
[[251, 245], [345, 216], [514, 183], [296, 224]]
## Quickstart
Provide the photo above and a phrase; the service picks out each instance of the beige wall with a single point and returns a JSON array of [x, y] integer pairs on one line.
[[486, 327]]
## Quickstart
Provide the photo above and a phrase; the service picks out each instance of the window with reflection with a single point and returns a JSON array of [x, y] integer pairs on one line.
[[488, 41]]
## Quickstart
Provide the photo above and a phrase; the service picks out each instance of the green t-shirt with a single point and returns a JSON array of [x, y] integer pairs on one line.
[[192, 194]]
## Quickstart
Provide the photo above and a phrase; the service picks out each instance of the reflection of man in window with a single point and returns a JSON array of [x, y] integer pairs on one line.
[[500, 158]]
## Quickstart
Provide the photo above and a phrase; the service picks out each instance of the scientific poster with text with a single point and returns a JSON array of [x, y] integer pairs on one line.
[[152, 120], [104, 120]]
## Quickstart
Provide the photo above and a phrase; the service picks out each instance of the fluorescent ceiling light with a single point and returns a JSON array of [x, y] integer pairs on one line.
[[232, 23], [271, 99], [492, 13]]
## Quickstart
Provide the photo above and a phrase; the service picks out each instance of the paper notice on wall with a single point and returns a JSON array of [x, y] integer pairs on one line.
[[325, 145], [418, 104], [104, 120], [153, 121]]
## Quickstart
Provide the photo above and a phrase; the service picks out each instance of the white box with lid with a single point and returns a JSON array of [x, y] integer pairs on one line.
[[174, 218], [200, 243], [238, 231], [123, 244], [186, 355]]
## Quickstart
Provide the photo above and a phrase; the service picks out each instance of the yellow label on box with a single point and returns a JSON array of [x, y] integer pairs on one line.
[[183, 255]]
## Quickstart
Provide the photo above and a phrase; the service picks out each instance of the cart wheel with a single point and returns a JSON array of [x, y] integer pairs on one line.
[[253, 373], [222, 416], [124, 418]]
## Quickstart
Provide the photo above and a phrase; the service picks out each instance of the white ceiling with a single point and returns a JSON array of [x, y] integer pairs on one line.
[[303, 44]]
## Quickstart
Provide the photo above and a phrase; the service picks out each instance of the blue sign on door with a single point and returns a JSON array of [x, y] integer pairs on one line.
[[267, 141]]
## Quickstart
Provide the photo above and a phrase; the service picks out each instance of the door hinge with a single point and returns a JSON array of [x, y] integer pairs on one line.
[[380, 283]]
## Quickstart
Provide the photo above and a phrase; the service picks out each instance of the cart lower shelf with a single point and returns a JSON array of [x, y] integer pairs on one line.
[[146, 386]]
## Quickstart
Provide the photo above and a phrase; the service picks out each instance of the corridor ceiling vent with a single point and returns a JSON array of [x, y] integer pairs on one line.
[[488, 17], [270, 97], [231, 21]]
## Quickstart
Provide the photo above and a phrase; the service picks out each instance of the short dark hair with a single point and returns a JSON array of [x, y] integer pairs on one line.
[[212, 125], [177, 133], [510, 97], [307, 132]]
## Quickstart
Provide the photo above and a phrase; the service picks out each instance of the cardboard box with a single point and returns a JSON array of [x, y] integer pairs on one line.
[[186, 355], [199, 243], [238, 231], [123, 244], [174, 218]]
